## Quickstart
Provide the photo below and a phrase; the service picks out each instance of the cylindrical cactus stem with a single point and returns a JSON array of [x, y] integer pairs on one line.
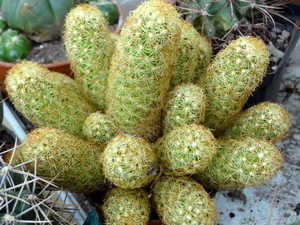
[[241, 163], [89, 48], [195, 53], [186, 150], [185, 104], [98, 129], [129, 162], [182, 200], [231, 78], [47, 98], [267, 120], [122, 206], [73, 163], [142, 67]]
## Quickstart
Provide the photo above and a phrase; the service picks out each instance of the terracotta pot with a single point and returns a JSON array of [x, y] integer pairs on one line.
[[61, 67]]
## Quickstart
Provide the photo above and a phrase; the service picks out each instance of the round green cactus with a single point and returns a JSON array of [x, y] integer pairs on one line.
[[89, 48], [109, 10], [186, 104], [267, 120], [195, 53], [123, 206], [241, 163], [41, 20], [186, 150], [99, 129], [46, 98], [129, 162], [230, 79], [14, 46], [142, 67], [182, 200], [73, 163]]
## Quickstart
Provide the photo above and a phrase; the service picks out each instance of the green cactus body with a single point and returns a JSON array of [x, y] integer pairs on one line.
[[41, 20], [185, 105], [123, 206], [241, 163], [89, 48], [73, 163], [267, 120], [14, 46], [129, 162], [98, 129], [142, 68], [195, 54], [182, 200], [230, 79], [46, 98], [186, 150]]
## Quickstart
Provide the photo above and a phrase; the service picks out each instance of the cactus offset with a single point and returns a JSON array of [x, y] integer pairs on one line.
[[129, 162], [230, 79], [46, 98], [184, 105], [123, 206], [182, 200], [142, 67], [75, 164], [195, 53], [98, 129], [186, 150], [89, 48], [241, 163], [267, 120]]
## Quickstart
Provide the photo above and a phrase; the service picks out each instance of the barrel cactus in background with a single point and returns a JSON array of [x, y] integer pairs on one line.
[[47, 98], [89, 48], [129, 162], [14, 46], [241, 163], [195, 53], [73, 164], [185, 104], [25, 198], [230, 79], [123, 206], [222, 20], [142, 67], [41, 20], [182, 200], [186, 150], [267, 120]]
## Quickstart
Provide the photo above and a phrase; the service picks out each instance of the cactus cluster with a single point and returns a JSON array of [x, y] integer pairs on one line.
[[172, 121]]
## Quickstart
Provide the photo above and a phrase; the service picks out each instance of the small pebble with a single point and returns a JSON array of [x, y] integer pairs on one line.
[[276, 30], [286, 34]]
